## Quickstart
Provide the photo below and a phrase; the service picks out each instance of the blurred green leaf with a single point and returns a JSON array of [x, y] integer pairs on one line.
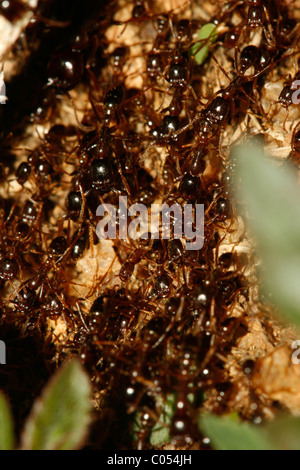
[[272, 197], [6, 425], [284, 432], [228, 434], [60, 417], [160, 433], [207, 35]]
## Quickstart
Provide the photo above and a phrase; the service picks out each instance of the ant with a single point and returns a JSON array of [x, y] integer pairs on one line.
[[256, 15], [135, 257], [294, 155], [286, 96]]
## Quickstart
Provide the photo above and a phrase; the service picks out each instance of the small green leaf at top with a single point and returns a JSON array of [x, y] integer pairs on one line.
[[228, 434], [206, 36], [60, 418], [6, 425]]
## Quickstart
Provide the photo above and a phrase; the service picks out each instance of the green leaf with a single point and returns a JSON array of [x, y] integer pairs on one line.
[[272, 196], [6, 425], [226, 434], [160, 433], [284, 432], [207, 35], [60, 417]]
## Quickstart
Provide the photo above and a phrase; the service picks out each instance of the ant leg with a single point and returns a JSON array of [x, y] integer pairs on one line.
[[220, 67], [81, 316], [286, 118], [80, 125], [269, 33]]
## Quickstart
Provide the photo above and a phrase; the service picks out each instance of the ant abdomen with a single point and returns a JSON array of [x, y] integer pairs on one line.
[[189, 187]]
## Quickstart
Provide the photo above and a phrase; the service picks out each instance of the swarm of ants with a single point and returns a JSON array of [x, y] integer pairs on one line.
[[109, 101]]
